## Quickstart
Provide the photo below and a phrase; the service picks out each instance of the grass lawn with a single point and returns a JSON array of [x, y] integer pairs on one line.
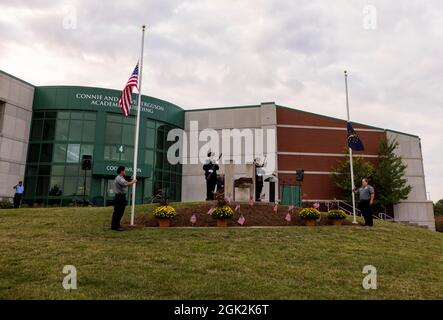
[[210, 263]]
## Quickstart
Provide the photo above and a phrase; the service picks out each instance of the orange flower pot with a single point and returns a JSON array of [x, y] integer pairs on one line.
[[164, 223], [222, 223], [310, 223], [337, 222]]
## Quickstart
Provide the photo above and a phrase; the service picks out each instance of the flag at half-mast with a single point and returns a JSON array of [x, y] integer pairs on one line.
[[125, 99], [354, 141]]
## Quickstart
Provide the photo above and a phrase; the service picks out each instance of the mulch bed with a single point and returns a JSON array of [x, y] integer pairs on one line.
[[257, 215]]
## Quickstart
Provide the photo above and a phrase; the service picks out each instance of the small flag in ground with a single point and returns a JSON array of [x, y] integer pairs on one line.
[[316, 205], [263, 196], [241, 220], [210, 211], [125, 99], [276, 207], [288, 217], [237, 207], [193, 219], [251, 201], [291, 207]]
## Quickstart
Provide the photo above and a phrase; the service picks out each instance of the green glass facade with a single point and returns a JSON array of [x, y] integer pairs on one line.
[[69, 122]]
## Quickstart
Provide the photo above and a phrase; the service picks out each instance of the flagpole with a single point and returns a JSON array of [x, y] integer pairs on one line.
[[351, 165], [137, 126]]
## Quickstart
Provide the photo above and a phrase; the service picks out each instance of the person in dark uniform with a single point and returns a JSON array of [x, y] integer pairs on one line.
[[210, 167], [259, 173], [19, 190], [221, 183], [366, 195], [120, 188]]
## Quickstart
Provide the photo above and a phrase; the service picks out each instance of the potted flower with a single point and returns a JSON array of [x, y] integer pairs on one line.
[[336, 216], [309, 216], [164, 213], [222, 212]]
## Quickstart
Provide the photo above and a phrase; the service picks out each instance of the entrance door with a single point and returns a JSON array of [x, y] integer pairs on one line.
[[291, 195]]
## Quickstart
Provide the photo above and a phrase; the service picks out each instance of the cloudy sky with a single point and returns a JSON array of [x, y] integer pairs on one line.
[[218, 53]]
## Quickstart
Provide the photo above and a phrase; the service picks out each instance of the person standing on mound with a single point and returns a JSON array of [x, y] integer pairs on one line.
[[366, 196], [120, 186], [210, 167]]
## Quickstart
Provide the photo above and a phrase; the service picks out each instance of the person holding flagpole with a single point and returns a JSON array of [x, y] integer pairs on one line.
[[366, 200], [354, 143], [125, 101], [120, 187]]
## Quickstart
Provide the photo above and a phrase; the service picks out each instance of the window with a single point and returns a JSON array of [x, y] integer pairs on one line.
[[48, 130], [59, 152], [73, 154], [33, 152], [119, 132], [88, 133], [62, 130], [75, 130], [86, 149], [56, 186], [70, 186], [46, 152], [37, 129], [113, 133]]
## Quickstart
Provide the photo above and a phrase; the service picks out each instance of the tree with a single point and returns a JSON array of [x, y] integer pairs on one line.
[[342, 174], [438, 207], [389, 178]]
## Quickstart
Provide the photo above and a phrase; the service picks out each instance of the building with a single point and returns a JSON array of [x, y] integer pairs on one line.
[[71, 121], [16, 98]]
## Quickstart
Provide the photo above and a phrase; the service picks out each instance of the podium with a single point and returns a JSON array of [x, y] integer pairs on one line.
[[240, 181]]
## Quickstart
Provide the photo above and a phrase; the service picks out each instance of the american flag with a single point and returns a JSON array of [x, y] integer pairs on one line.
[[237, 207], [241, 220], [193, 219], [211, 210], [276, 207], [288, 217], [251, 201], [125, 99]]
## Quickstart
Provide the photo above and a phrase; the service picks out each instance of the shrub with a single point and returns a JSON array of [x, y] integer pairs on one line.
[[5, 204], [164, 212], [336, 214], [222, 212], [309, 214]]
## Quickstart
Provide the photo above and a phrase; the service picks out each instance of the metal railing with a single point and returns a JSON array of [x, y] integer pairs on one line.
[[346, 207]]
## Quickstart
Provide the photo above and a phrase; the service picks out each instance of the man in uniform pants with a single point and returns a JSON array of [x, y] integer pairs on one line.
[[210, 167], [366, 196], [120, 188], [19, 189]]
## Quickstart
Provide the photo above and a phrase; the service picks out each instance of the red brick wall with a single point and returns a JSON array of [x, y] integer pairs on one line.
[[308, 140]]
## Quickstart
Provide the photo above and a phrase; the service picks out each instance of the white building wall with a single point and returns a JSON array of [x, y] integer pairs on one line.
[[16, 99], [417, 208], [260, 117]]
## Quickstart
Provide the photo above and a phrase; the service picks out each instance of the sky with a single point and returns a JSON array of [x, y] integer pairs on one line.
[[201, 54]]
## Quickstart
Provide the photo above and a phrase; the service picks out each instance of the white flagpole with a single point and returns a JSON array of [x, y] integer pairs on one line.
[[350, 153], [137, 125]]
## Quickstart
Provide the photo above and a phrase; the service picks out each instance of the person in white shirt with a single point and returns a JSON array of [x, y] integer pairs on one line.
[[18, 196]]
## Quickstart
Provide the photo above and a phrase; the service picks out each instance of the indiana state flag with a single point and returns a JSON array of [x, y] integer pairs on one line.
[[354, 141]]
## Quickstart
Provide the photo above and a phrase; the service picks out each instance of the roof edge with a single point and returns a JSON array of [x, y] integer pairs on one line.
[[18, 79]]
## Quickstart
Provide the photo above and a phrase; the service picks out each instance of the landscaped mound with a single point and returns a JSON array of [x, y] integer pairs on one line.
[[257, 215]]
